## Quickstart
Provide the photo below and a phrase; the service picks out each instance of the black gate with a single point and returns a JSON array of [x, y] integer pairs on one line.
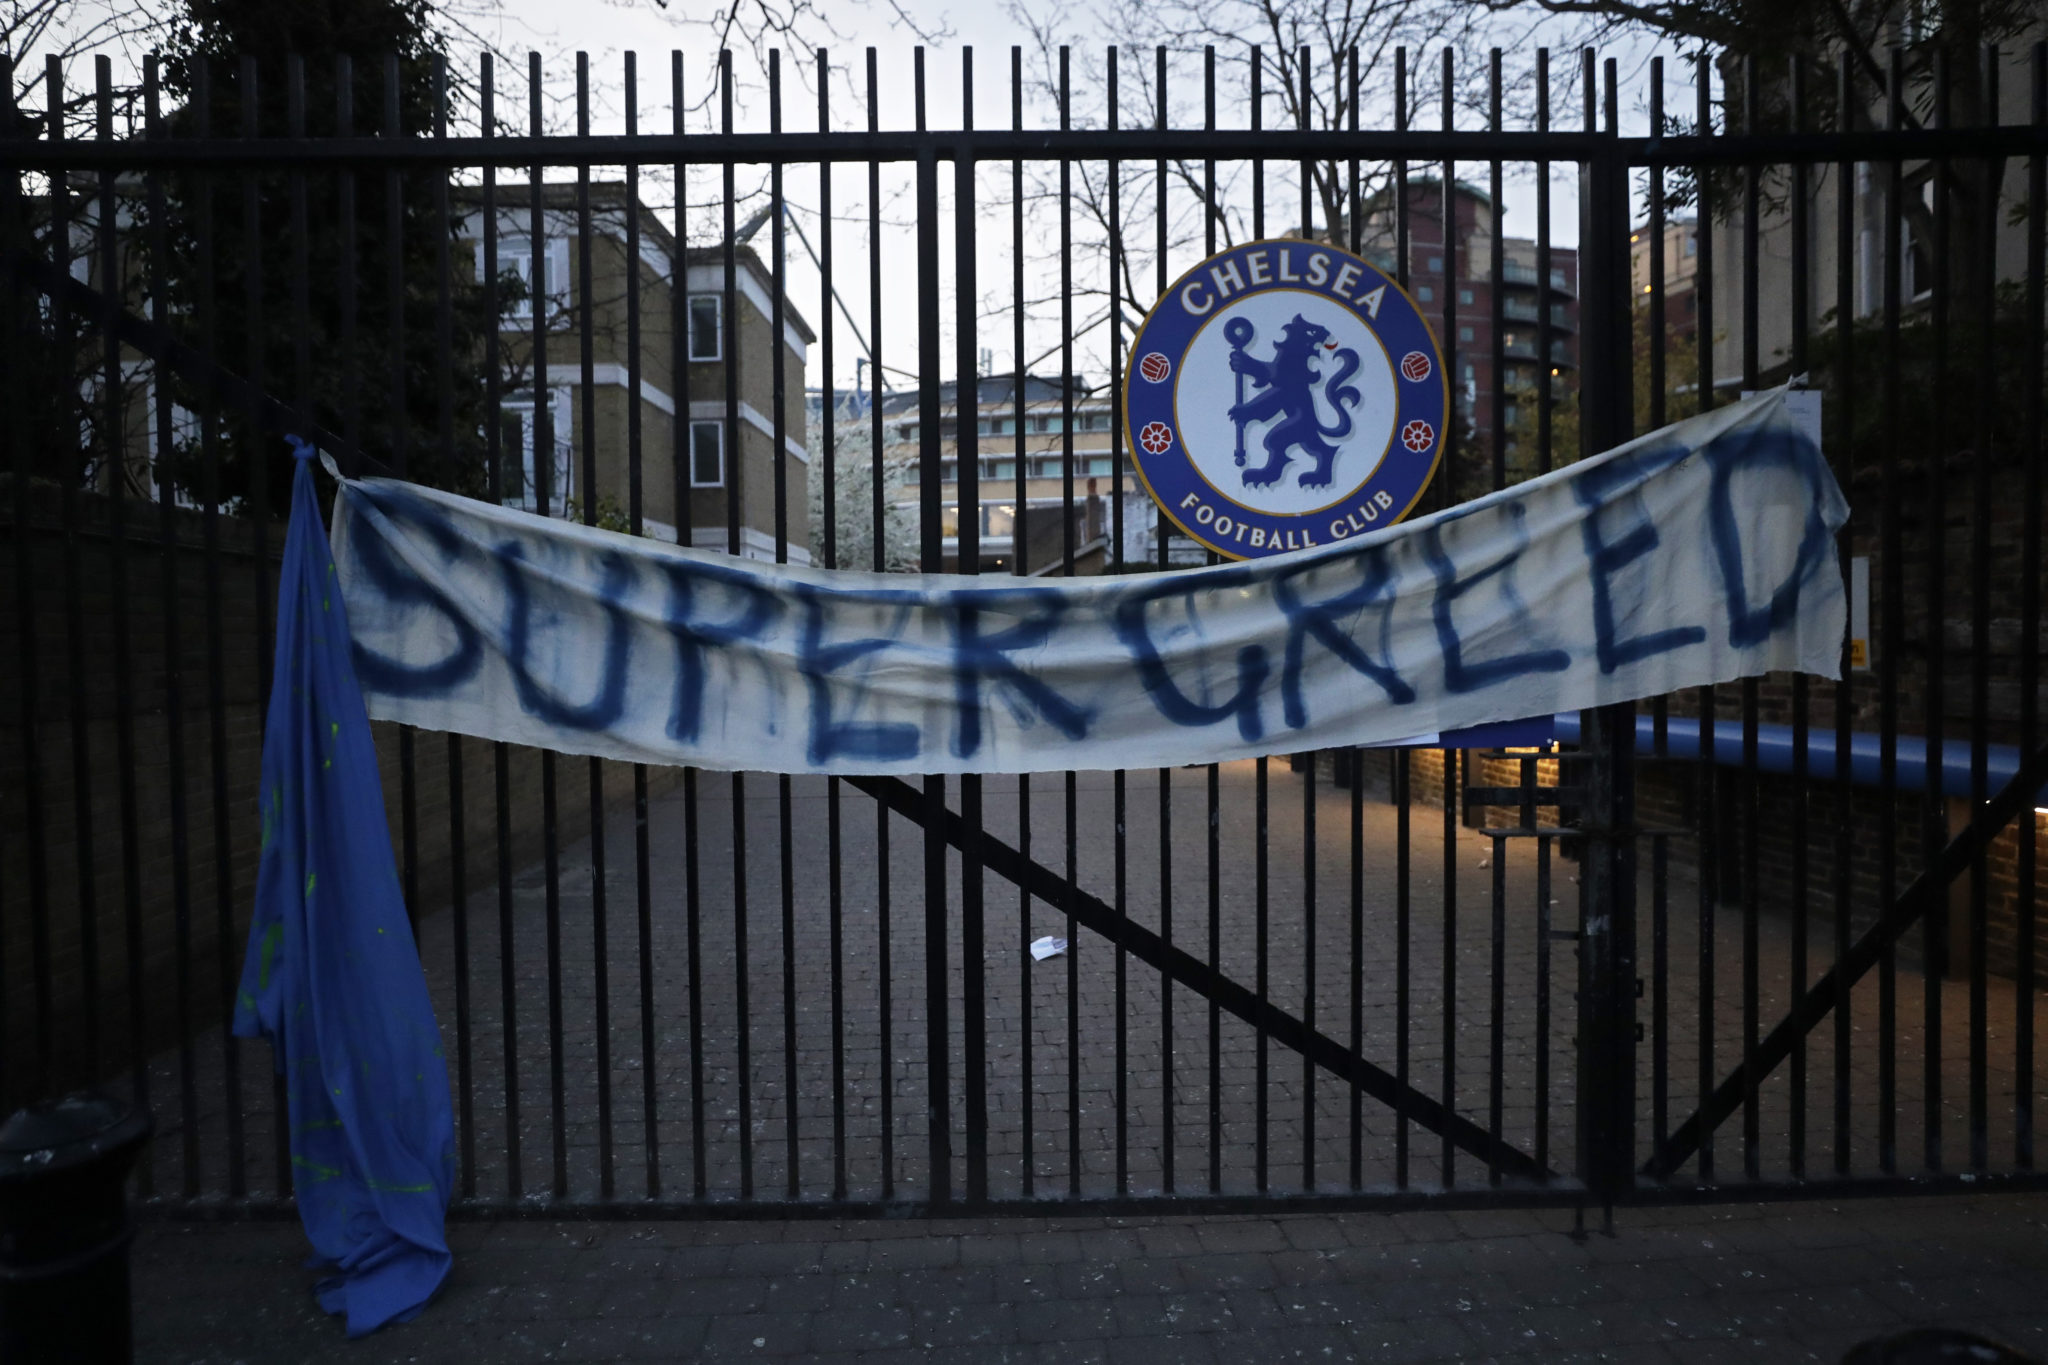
[[1374, 977]]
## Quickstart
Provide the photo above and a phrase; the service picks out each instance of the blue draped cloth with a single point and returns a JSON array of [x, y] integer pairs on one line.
[[332, 976]]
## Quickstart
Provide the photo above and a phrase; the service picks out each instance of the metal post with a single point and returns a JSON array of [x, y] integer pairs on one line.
[[1606, 1005]]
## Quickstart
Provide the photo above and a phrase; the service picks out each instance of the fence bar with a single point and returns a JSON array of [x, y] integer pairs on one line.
[[1891, 594], [539, 294], [458, 824], [884, 1009], [501, 754], [1164, 537], [586, 337], [160, 457], [966, 405], [35, 835], [2026, 871], [938, 1055], [1020, 543], [1933, 510], [1447, 483], [1752, 1141], [1983, 298], [828, 439], [118, 483], [400, 421], [1801, 703], [206, 310], [1398, 790], [1844, 441], [1709, 808]]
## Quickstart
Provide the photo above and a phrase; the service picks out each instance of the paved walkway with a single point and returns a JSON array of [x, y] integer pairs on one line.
[[1786, 1282], [814, 1020]]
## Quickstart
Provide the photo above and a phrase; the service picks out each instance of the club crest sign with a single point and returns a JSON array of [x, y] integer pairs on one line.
[[1284, 394]]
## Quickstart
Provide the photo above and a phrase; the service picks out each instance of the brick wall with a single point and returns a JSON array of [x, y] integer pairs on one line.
[[176, 896]]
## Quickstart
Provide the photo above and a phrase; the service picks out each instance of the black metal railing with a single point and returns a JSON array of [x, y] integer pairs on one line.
[[678, 992]]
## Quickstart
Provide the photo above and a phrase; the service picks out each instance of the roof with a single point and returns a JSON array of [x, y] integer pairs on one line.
[[990, 390], [611, 194]]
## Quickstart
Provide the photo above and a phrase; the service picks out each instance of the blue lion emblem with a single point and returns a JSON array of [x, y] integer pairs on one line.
[[1289, 382]]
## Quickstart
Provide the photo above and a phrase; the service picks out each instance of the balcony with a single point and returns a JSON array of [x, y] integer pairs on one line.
[[1521, 310], [1525, 349], [1513, 272]]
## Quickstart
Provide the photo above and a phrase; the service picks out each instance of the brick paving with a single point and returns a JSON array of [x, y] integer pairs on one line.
[[1779, 1282], [1783, 1282], [1035, 1075]]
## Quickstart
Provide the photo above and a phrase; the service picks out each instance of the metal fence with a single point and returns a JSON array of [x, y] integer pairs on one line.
[[1796, 925]]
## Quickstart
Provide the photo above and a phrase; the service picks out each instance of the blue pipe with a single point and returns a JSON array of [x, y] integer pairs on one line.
[[1774, 753]]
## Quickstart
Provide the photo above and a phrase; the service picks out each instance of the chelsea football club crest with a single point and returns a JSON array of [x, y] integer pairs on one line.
[[1284, 394]]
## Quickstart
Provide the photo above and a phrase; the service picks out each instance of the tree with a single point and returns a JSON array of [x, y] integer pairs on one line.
[[361, 362], [854, 500], [1298, 55], [61, 432], [1788, 46], [1681, 400]]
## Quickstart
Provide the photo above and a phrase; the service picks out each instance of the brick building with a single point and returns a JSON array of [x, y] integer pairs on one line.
[[1451, 279], [718, 454]]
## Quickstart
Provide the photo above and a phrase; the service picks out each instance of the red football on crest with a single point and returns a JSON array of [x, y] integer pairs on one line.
[[1156, 438], [1418, 436], [1155, 367], [1415, 366]]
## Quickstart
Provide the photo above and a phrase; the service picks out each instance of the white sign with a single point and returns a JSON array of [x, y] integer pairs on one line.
[[1698, 554]]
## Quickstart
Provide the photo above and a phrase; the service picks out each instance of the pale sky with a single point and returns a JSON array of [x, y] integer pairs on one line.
[[606, 29]]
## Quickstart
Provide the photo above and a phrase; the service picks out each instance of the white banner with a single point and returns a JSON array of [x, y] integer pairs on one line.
[[1698, 554]]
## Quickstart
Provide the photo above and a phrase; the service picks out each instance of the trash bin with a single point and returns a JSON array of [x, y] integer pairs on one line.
[[64, 1230]]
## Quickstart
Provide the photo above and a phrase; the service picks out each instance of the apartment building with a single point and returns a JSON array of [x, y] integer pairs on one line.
[[1041, 425], [686, 485], [1450, 276]]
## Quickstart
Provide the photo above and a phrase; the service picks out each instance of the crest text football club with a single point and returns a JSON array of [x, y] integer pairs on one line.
[[1284, 394]]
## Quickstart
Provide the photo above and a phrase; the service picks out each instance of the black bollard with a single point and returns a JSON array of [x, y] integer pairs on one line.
[[64, 1230]]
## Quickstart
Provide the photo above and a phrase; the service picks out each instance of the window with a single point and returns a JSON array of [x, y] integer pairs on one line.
[[1424, 294], [1095, 464], [707, 331], [707, 454], [515, 258], [1916, 260], [1557, 280], [1464, 296], [1436, 264], [1464, 334], [518, 479], [185, 441], [1692, 244], [907, 432]]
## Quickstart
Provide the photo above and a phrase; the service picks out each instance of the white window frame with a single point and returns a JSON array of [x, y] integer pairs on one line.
[[717, 302], [717, 427], [515, 253], [562, 475], [185, 426], [1924, 190]]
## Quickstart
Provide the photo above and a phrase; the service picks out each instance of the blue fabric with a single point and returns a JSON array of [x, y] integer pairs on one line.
[[332, 975]]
